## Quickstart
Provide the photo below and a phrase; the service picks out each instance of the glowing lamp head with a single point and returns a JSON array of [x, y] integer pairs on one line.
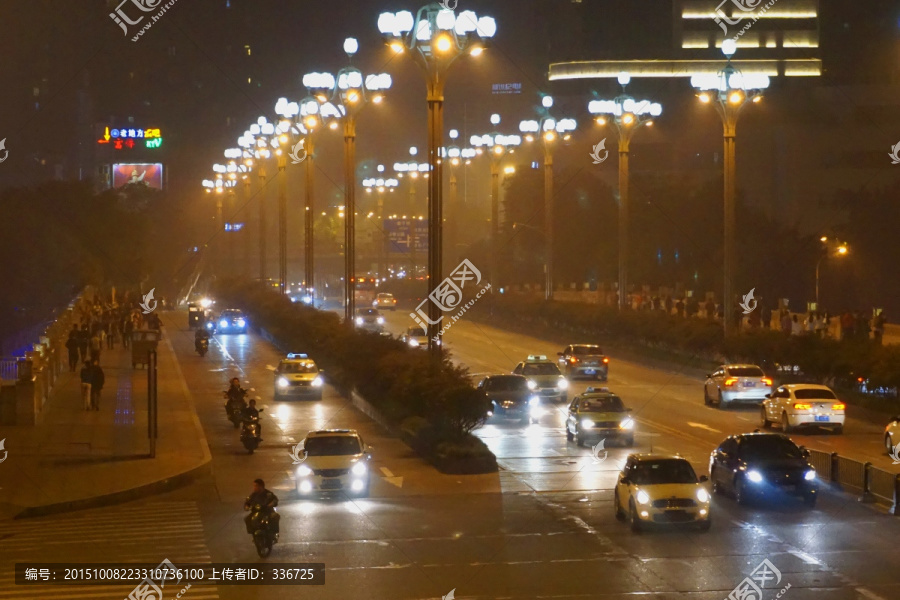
[[735, 97], [351, 46], [397, 47], [704, 97], [476, 51], [443, 43], [628, 118]]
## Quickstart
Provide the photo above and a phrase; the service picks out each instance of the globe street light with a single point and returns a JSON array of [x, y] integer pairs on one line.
[[243, 168], [498, 146], [258, 142], [286, 132], [549, 130], [434, 39], [729, 91], [350, 96], [628, 115]]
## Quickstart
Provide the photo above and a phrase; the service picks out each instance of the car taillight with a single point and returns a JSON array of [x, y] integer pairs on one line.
[[802, 406], [730, 381], [573, 360], [838, 406], [605, 361], [766, 380]]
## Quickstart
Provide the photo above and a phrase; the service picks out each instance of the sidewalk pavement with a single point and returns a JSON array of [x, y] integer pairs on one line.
[[80, 459]]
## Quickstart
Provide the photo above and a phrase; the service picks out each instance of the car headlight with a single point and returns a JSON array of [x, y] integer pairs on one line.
[[209, 325], [317, 382], [587, 423], [380, 320], [534, 401], [810, 475], [754, 476], [413, 343], [626, 424], [643, 497], [359, 469], [532, 385], [241, 323], [282, 382], [223, 323], [562, 384], [304, 471], [702, 495]]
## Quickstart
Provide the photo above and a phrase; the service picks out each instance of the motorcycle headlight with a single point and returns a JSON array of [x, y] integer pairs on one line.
[[587, 423], [304, 471], [413, 343], [627, 424], [809, 475], [359, 468], [359, 320], [534, 401], [642, 497], [380, 320], [282, 382], [562, 384], [702, 495], [531, 385], [754, 476], [241, 323], [317, 382], [223, 323]]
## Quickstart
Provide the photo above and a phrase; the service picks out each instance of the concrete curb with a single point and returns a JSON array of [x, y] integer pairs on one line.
[[363, 406]]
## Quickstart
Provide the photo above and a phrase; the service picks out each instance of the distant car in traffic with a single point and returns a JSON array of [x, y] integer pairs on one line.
[[385, 301], [544, 377], [733, 384], [584, 360], [803, 405], [510, 397], [336, 460], [230, 320], [369, 319], [755, 465], [298, 375], [661, 490], [596, 415], [892, 437]]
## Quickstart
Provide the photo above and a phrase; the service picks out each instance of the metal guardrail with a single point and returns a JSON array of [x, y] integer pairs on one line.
[[9, 369], [871, 483]]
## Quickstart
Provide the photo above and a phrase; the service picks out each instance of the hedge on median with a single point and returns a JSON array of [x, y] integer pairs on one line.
[[434, 406]]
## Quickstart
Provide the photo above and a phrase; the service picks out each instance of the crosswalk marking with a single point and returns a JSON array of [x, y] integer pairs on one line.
[[146, 533]]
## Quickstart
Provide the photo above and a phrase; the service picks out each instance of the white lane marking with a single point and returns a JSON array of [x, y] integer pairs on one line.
[[702, 426], [807, 558], [390, 478], [270, 367], [868, 594]]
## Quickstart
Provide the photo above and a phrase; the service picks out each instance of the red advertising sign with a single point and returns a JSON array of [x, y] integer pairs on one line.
[[150, 174]]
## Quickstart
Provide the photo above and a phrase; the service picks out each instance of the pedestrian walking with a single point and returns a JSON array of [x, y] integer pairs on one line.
[[96, 345], [796, 326], [97, 381], [72, 347], [811, 323], [126, 334], [86, 378]]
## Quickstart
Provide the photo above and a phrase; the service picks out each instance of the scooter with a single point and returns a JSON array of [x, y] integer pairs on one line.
[[235, 410], [202, 346], [250, 434], [263, 537]]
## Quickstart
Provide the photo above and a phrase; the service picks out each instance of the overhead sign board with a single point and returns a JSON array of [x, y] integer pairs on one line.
[[149, 174]]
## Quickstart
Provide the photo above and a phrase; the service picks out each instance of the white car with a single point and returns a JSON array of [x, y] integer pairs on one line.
[[336, 460], [732, 384], [803, 405], [383, 301], [892, 438]]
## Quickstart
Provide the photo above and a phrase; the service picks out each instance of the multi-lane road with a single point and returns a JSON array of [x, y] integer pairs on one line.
[[543, 527]]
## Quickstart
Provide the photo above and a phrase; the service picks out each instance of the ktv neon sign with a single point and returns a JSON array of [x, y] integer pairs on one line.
[[129, 138]]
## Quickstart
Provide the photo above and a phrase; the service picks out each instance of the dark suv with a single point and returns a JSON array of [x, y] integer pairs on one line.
[[509, 396], [753, 465]]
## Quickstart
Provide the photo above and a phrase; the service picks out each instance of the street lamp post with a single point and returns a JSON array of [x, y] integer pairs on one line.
[[628, 115], [257, 139], [729, 91], [434, 39], [549, 130], [380, 186]]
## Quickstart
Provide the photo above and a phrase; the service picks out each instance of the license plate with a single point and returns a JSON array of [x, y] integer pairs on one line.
[[590, 371], [822, 418], [331, 484], [749, 384]]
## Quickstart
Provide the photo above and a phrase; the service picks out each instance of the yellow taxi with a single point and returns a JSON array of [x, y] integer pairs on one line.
[[298, 375], [598, 414]]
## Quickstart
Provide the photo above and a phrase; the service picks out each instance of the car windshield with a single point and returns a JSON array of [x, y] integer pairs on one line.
[[745, 372], [586, 350], [232, 314], [663, 471], [768, 447], [367, 312], [608, 404], [506, 384], [814, 394], [297, 368], [415, 332], [332, 445], [540, 369]]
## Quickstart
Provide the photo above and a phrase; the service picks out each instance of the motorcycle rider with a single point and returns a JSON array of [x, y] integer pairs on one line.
[[235, 395], [268, 501], [200, 335], [249, 413]]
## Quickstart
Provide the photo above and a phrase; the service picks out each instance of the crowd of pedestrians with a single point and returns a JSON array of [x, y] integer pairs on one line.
[[100, 326]]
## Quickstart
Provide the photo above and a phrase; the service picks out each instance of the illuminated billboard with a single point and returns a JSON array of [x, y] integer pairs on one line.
[[150, 174]]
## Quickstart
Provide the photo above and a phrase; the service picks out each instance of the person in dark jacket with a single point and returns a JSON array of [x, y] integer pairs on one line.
[[97, 381], [268, 501], [126, 333], [84, 341], [87, 377], [72, 347]]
